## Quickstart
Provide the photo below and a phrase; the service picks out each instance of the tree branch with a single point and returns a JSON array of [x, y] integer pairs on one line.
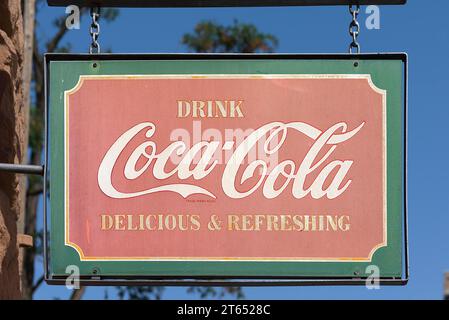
[[35, 192], [53, 44], [62, 30], [77, 294], [37, 284]]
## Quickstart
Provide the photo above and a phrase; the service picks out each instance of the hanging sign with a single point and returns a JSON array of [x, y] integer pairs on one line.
[[184, 166]]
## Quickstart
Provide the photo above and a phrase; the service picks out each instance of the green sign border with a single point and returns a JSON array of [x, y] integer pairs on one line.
[[388, 72]]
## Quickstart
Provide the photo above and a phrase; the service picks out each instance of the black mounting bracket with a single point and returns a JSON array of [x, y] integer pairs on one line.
[[22, 168]]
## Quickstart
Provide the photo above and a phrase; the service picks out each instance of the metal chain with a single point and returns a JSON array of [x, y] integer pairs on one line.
[[354, 28], [94, 30]]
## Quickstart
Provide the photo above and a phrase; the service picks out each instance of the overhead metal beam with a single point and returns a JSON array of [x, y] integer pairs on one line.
[[215, 3]]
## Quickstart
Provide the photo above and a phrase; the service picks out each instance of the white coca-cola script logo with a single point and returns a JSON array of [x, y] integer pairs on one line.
[[288, 169]]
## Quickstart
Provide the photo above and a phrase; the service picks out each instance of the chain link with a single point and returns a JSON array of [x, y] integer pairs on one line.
[[94, 30], [354, 28]]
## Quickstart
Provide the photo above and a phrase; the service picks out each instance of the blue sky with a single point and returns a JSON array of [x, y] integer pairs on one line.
[[420, 28]]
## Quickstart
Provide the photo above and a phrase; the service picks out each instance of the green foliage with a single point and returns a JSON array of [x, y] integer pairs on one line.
[[109, 14], [155, 293], [67, 48], [210, 37], [140, 293], [36, 137], [218, 293], [39, 242]]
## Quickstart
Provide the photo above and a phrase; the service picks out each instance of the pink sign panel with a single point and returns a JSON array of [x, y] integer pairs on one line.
[[225, 167]]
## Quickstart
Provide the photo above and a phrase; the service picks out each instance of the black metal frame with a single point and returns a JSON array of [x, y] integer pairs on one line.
[[217, 3], [227, 280]]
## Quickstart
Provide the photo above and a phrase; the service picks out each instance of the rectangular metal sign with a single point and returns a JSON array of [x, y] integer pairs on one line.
[[190, 166], [217, 3]]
